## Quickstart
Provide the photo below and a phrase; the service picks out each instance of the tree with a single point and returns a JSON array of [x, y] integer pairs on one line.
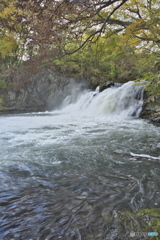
[[118, 35], [46, 26], [145, 23]]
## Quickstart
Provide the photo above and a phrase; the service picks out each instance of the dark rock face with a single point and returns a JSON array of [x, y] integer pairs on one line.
[[106, 85], [44, 91], [32, 96], [151, 108]]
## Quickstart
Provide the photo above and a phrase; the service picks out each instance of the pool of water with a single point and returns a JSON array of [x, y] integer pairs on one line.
[[67, 177]]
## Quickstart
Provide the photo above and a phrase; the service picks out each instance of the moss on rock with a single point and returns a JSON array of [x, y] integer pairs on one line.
[[143, 221]]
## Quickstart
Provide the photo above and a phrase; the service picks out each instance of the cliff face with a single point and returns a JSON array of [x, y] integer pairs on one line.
[[43, 91], [33, 96]]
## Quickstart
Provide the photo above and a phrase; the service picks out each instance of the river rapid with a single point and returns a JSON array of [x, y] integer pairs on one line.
[[67, 174]]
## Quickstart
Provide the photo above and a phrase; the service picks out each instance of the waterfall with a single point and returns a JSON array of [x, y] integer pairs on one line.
[[124, 101]]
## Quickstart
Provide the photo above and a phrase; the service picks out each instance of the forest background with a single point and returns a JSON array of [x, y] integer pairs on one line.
[[96, 40]]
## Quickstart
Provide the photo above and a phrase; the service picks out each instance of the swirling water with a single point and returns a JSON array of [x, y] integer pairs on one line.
[[67, 174]]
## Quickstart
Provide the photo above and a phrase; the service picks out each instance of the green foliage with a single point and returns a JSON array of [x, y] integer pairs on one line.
[[127, 49], [8, 46], [151, 82], [145, 220], [1, 103], [3, 84], [153, 215], [103, 60]]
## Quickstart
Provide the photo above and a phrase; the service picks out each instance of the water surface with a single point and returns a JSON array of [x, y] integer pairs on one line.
[[67, 174]]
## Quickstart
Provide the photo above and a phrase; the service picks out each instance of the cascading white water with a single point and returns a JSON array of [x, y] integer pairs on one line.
[[123, 101]]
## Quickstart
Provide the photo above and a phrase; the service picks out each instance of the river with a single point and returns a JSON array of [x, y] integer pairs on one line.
[[68, 173]]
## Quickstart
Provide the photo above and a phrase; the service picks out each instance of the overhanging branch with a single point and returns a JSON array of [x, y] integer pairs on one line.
[[99, 31]]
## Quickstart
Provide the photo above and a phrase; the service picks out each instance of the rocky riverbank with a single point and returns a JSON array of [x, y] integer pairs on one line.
[[151, 108]]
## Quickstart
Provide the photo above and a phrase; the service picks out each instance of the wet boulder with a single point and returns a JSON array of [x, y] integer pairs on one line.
[[151, 108], [106, 85]]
